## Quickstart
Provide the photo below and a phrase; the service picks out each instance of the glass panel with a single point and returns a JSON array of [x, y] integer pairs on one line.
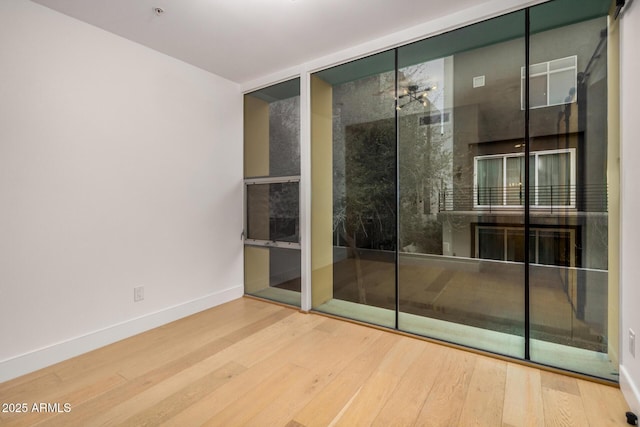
[[272, 149], [491, 243], [272, 131], [515, 181], [554, 248], [353, 117], [554, 179], [515, 245], [461, 250], [258, 212], [570, 284], [490, 188], [538, 91], [273, 212], [562, 87], [454, 281], [273, 273]]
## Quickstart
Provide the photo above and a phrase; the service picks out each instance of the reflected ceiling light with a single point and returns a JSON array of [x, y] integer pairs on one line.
[[413, 93]]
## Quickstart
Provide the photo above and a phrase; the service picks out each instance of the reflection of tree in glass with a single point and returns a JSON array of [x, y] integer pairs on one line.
[[425, 171], [284, 137], [284, 212], [364, 215], [367, 220]]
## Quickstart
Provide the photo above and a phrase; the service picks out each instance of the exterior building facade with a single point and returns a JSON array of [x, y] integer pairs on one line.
[[482, 213]]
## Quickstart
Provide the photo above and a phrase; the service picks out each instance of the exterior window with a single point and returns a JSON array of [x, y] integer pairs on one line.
[[551, 83], [499, 179], [547, 246], [434, 119], [273, 211]]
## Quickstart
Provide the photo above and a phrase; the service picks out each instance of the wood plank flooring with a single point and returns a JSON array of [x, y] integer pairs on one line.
[[254, 363]]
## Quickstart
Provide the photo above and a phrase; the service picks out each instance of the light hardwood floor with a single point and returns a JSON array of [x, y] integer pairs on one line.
[[250, 362]]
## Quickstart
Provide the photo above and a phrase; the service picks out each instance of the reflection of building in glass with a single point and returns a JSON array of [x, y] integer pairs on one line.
[[568, 153], [482, 214]]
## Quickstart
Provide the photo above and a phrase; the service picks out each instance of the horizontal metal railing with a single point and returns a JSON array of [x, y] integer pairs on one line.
[[586, 198]]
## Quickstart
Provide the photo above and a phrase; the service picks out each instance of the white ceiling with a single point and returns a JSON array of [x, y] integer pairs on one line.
[[242, 40]]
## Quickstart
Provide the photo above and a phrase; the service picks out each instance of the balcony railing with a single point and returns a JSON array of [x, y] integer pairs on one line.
[[584, 198]]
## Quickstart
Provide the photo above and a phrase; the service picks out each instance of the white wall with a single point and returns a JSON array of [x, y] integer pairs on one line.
[[119, 167], [630, 200]]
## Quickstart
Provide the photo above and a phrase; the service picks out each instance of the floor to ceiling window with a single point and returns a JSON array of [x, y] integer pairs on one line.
[[568, 119], [456, 186], [460, 188], [272, 195]]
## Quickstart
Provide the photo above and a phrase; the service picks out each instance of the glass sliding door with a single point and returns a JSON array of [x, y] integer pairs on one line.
[[461, 133], [569, 274], [272, 195], [354, 188]]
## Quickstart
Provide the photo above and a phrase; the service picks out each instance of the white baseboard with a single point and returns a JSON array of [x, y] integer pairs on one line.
[[630, 390], [47, 356]]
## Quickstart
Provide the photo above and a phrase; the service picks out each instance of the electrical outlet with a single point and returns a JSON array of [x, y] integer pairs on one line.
[[632, 342], [138, 294]]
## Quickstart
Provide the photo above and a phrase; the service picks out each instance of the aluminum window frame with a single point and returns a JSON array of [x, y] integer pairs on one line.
[[270, 243], [549, 72]]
